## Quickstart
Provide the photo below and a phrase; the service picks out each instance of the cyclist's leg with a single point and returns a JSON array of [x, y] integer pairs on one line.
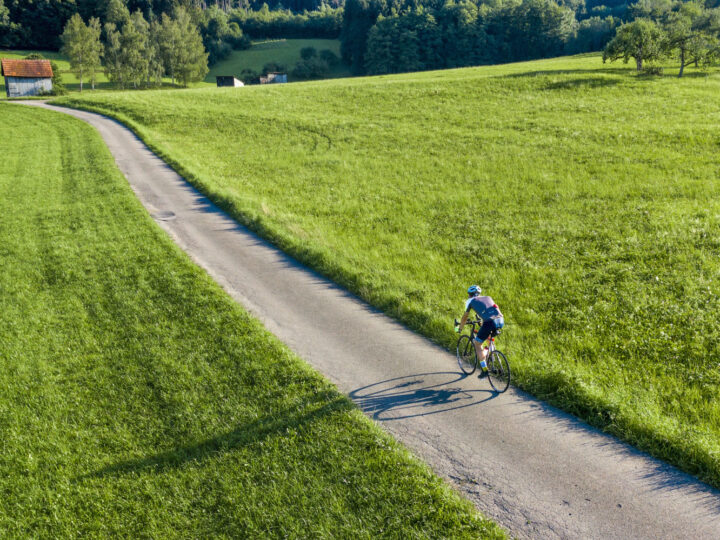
[[481, 353], [481, 337]]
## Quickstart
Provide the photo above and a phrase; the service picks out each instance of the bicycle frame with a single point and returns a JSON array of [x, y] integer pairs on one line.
[[476, 324]]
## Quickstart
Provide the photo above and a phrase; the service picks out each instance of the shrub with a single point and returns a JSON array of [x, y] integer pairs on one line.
[[248, 76], [329, 57], [653, 71], [271, 67], [236, 39], [218, 50], [312, 68], [306, 53]]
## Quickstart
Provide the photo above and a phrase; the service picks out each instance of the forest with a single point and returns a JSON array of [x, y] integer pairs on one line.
[[392, 36]]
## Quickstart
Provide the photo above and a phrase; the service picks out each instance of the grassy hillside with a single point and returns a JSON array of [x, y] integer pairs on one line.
[[582, 197], [283, 51], [138, 400]]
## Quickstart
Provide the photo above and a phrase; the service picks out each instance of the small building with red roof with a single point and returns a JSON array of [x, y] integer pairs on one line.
[[26, 77]]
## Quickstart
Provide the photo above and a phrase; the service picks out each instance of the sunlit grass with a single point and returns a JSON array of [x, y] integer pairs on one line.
[[138, 400], [582, 197]]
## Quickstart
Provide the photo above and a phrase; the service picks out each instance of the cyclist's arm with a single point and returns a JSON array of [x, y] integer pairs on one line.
[[463, 320]]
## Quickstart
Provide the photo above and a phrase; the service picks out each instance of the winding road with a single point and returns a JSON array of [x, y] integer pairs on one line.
[[537, 471]]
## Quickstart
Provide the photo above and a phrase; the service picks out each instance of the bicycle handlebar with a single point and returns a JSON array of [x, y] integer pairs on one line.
[[476, 321]]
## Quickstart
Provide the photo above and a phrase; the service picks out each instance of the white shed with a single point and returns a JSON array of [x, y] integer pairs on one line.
[[228, 80]]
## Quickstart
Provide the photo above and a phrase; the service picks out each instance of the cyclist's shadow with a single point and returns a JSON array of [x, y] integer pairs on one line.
[[419, 394]]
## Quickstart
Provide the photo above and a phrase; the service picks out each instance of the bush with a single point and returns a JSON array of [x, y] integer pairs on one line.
[[653, 71], [248, 76], [217, 50], [306, 53], [312, 68], [273, 67], [329, 57]]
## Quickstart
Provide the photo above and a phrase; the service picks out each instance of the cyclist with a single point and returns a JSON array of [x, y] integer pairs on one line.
[[492, 318]]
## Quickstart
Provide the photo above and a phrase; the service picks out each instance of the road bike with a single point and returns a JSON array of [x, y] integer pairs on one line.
[[497, 364]]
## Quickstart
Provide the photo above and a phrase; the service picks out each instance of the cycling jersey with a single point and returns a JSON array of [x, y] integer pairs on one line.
[[484, 307]]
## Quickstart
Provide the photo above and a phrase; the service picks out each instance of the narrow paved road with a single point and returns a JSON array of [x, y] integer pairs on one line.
[[537, 471]]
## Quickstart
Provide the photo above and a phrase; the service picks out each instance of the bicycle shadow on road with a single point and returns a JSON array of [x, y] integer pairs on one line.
[[419, 394]]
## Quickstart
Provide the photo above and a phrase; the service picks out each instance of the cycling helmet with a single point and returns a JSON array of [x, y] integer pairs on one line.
[[474, 290]]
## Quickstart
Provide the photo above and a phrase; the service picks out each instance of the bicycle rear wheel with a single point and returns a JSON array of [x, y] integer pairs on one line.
[[498, 371], [466, 357]]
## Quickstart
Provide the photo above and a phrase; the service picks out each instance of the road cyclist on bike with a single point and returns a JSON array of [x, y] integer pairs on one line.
[[487, 310]]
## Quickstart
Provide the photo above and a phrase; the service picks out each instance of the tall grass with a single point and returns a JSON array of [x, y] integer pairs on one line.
[[138, 400], [583, 198]]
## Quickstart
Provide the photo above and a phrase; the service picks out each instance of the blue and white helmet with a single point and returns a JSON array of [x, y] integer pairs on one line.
[[474, 290]]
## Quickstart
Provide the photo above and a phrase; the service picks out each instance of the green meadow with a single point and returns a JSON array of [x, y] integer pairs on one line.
[[583, 198], [139, 400], [282, 51]]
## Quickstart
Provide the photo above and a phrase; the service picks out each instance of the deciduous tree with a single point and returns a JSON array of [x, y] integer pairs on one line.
[[9, 31], [182, 48], [81, 44], [683, 30], [642, 40], [113, 55], [134, 56], [116, 12]]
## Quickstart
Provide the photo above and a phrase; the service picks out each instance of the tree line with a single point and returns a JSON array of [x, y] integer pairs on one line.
[[388, 36], [686, 31], [38, 24], [285, 23], [392, 36], [132, 51]]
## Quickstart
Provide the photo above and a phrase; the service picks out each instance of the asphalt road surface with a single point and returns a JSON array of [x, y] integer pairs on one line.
[[537, 471]]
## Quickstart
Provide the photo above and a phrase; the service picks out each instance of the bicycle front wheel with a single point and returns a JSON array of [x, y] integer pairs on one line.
[[498, 371], [466, 357]]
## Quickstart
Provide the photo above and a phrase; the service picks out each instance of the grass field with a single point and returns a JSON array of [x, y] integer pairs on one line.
[[282, 51], [582, 197], [138, 400]]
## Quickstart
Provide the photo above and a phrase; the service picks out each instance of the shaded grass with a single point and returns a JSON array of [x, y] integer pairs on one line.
[[282, 51], [581, 197], [139, 400]]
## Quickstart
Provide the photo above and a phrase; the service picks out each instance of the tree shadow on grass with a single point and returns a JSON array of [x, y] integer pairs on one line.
[[319, 406], [548, 72], [587, 82], [589, 78]]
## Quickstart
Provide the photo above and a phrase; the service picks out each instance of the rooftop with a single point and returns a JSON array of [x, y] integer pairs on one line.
[[26, 68]]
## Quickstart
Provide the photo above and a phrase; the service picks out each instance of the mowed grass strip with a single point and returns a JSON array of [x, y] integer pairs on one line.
[[582, 197], [138, 400]]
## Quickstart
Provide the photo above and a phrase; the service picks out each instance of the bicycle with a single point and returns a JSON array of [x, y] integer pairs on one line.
[[497, 364]]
